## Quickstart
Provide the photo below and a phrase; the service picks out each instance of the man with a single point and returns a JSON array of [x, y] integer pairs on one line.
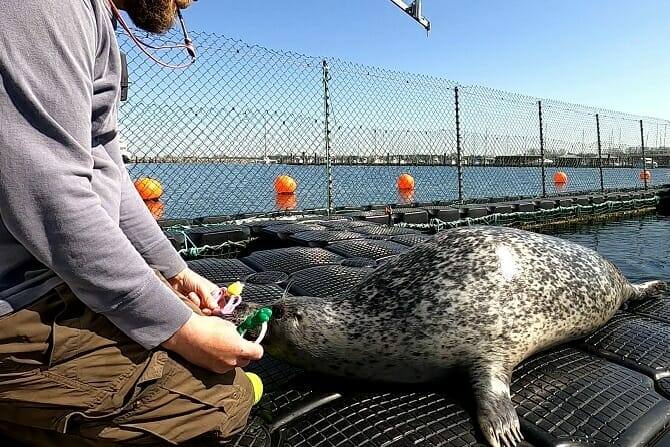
[[95, 347]]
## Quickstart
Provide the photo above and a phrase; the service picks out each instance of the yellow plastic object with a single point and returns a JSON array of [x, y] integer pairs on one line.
[[257, 383], [235, 289]]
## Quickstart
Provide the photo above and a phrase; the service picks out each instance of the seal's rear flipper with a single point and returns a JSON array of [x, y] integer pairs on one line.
[[646, 290], [496, 415]]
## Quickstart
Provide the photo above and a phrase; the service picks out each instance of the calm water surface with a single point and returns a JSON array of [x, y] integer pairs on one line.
[[196, 190], [639, 247]]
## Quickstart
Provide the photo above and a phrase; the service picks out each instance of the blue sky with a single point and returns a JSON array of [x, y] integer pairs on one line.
[[607, 53]]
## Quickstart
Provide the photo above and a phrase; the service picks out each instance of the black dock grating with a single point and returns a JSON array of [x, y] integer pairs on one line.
[[384, 230], [255, 434], [263, 294], [364, 248], [569, 396], [344, 225], [359, 262], [411, 239], [636, 342], [658, 308], [291, 259], [274, 373], [321, 238], [384, 420], [276, 401], [221, 271], [284, 230], [267, 277]]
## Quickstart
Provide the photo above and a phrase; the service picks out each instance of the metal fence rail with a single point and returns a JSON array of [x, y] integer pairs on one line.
[[218, 134]]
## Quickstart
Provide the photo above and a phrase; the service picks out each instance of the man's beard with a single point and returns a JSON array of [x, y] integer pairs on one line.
[[154, 16]]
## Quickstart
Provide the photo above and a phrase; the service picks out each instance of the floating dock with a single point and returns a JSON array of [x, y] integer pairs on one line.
[[610, 389]]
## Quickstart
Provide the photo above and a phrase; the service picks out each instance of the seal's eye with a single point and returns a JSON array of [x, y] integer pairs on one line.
[[298, 316]]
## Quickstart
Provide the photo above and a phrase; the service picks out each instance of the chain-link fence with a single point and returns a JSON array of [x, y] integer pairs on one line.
[[218, 134]]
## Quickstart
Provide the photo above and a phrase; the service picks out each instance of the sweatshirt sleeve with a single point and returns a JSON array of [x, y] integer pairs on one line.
[[141, 228], [47, 54]]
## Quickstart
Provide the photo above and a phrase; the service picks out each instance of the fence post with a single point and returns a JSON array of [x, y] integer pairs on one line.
[[459, 163], [326, 108], [644, 158], [544, 183], [600, 154]]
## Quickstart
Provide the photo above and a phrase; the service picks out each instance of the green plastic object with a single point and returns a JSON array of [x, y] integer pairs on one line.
[[255, 320]]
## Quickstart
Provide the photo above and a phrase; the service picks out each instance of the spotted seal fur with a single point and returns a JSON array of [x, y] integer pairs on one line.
[[480, 299]]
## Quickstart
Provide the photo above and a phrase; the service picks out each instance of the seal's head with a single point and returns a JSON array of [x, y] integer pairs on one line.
[[304, 330]]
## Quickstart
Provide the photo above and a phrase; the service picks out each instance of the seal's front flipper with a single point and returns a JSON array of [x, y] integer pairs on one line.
[[497, 418], [646, 290]]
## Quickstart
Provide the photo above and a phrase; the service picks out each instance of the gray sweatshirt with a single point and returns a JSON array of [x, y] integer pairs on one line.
[[68, 210]]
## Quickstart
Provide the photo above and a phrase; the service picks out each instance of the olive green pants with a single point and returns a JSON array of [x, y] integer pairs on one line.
[[70, 377]]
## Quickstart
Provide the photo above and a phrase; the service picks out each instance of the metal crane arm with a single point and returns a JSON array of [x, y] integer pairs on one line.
[[414, 10]]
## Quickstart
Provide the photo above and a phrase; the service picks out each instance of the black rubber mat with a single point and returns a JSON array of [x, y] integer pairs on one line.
[[217, 234], [292, 259], [255, 434], [283, 231], [388, 420], [221, 271], [663, 387], [384, 230], [634, 341], [267, 277], [275, 374], [276, 401], [568, 397], [411, 239], [658, 308], [359, 262], [367, 248], [263, 294], [343, 225], [321, 238], [327, 280], [258, 225]]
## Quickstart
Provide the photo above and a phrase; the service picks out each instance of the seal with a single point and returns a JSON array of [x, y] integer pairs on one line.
[[476, 299]]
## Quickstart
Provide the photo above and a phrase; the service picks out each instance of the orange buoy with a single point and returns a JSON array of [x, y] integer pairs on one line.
[[156, 207], [560, 178], [406, 196], [149, 188], [645, 175], [286, 202], [285, 184], [405, 182]]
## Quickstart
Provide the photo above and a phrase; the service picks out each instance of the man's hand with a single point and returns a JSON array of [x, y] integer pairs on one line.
[[201, 291], [213, 343]]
